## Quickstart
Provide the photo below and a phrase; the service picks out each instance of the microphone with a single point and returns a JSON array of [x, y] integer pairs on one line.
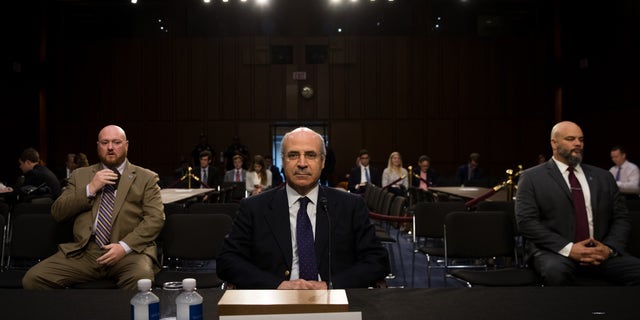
[[115, 186], [323, 203]]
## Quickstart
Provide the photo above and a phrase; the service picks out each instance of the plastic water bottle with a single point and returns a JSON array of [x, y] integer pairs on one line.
[[145, 305], [189, 302]]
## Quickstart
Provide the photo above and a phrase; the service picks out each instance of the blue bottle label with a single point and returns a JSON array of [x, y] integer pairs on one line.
[[154, 311], [195, 312]]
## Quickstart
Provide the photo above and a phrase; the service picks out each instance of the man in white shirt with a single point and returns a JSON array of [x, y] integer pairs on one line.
[[627, 174]]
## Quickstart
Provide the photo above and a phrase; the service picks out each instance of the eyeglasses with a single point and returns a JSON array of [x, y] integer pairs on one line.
[[115, 142], [309, 155]]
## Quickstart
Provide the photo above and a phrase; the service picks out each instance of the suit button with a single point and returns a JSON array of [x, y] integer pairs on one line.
[[287, 273]]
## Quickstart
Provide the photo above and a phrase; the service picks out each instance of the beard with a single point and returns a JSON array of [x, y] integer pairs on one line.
[[572, 160], [113, 163]]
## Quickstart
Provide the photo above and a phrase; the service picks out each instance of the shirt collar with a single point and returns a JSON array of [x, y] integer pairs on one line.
[[563, 166], [293, 195]]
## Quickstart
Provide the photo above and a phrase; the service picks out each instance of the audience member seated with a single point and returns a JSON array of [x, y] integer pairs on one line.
[[425, 177], [39, 181], [238, 173], [471, 174], [625, 172], [206, 172], [258, 177], [276, 176], [394, 176], [64, 172], [80, 160], [363, 173]]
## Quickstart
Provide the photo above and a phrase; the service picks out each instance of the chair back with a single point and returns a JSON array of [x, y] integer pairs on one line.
[[174, 208], [633, 204], [398, 206], [428, 218], [479, 234], [633, 245], [230, 209], [506, 206], [35, 237], [192, 236], [384, 205], [373, 197], [31, 208]]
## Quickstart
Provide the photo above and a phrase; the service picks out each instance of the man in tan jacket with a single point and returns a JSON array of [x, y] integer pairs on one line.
[[136, 216]]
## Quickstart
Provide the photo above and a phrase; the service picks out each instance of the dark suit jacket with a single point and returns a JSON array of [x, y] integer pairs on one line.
[[478, 178], [545, 214], [258, 251], [138, 213], [432, 178], [42, 175], [213, 177], [354, 177]]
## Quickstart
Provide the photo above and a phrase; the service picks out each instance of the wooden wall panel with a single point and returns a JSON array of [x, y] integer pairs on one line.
[[346, 140]]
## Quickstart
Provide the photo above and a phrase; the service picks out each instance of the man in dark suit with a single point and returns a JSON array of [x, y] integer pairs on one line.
[[126, 252], [573, 217], [471, 174], [263, 248], [363, 173], [207, 173], [40, 181]]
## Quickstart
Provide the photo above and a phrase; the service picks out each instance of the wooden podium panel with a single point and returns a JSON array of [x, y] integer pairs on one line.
[[250, 302]]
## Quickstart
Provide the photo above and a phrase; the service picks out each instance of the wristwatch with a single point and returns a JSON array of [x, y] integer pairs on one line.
[[612, 253]]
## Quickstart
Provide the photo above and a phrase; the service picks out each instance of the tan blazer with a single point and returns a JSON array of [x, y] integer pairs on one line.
[[138, 214]]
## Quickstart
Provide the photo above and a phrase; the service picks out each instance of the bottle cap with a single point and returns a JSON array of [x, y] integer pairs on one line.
[[144, 284], [189, 284]]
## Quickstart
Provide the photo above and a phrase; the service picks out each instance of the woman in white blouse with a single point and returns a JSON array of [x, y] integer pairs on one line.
[[258, 177], [395, 176]]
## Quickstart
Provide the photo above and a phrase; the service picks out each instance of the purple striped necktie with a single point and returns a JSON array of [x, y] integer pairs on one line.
[[105, 215]]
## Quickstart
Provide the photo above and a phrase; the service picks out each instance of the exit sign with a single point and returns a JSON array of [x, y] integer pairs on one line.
[[299, 75]]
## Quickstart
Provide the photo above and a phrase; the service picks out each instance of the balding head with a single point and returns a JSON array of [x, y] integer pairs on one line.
[[567, 142]]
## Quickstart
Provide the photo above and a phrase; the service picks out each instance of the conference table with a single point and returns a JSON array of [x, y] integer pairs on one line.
[[171, 195], [438, 303], [468, 193]]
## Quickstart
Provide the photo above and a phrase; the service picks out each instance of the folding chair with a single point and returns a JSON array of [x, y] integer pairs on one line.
[[192, 237], [230, 209], [428, 221], [488, 236], [633, 245], [34, 238], [509, 208]]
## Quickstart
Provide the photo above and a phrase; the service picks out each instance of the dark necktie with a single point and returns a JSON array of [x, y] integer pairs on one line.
[[366, 174], [618, 173], [582, 223], [105, 214], [306, 249], [204, 177], [237, 175]]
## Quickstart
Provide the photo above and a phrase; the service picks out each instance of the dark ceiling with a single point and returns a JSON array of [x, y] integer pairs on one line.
[[78, 19]]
